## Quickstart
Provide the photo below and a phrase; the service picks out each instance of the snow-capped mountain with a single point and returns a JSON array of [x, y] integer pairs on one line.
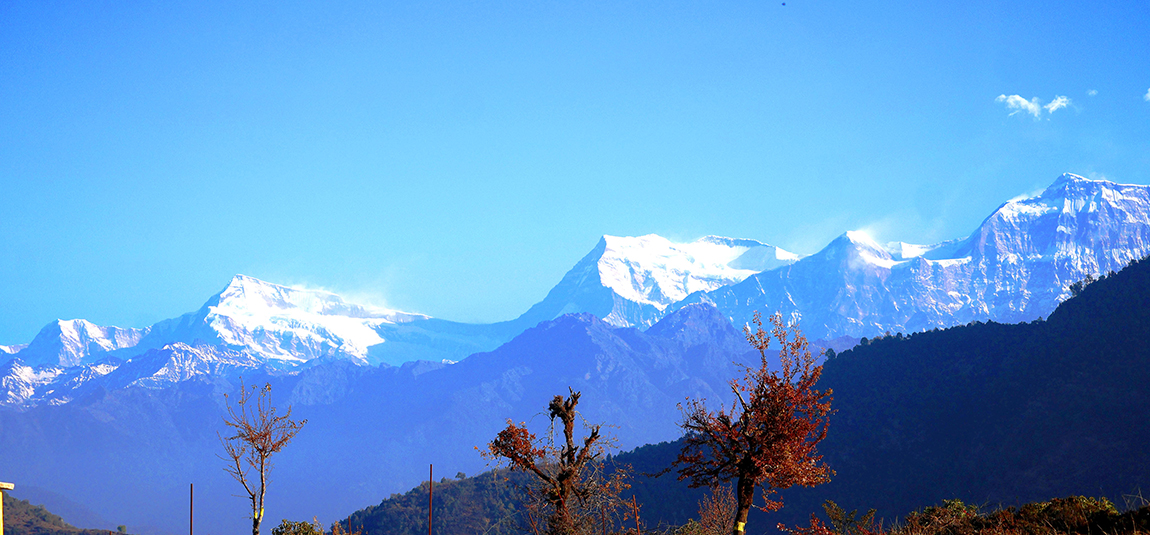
[[175, 363], [630, 281], [24, 385], [1017, 266], [74, 342], [370, 427], [287, 326], [250, 324]]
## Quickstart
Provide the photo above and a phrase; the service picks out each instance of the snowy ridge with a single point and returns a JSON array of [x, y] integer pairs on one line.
[[653, 270], [1017, 266], [23, 385], [75, 342], [250, 324], [296, 325], [175, 363], [18, 383], [631, 281]]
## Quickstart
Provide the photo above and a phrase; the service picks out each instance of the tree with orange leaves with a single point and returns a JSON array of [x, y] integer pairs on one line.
[[259, 433], [572, 495], [767, 439]]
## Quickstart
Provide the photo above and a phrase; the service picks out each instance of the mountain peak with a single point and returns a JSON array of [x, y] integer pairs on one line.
[[251, 296], [1070, 184], [858, 242], [860, 237], [696, 323], [653, 270], [1070, 177], [295, 325], [631, 280], [1072, 194], [76, 341]]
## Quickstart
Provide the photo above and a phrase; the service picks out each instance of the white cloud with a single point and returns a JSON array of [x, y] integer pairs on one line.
[[1057, 104], [1146, 97], [1033, 106], [1017, 103], [1092, 92]]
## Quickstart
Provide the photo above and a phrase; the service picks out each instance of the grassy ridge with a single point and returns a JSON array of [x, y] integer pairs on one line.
[[23, 518]]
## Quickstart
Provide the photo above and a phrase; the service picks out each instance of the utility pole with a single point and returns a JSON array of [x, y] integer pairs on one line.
[[191, 508], [430, 491], [3, 487]]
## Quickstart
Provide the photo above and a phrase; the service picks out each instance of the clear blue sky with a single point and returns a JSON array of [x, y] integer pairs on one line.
[[456, 158]]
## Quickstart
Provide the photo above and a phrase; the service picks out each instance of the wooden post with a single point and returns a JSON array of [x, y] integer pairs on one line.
[[430, 490], [3, 487]]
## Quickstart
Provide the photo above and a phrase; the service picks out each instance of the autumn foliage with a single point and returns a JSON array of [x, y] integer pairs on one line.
[[767, 438], [572, 495]]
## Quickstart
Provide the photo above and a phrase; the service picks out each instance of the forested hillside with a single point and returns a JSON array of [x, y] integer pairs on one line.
[[23, 518], [993, 413], [987, 413]]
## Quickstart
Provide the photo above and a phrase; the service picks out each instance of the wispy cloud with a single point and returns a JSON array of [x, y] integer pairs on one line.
[[1092, 92], [1028, 195], [1033, 106], [1057, 104], [1019, 104], [1146, 97]]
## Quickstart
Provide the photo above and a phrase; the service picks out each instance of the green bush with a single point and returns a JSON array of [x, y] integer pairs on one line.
[[287, 527]]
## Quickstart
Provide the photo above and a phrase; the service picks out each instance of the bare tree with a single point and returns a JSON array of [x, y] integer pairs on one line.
[[258, 433], [767, 439]]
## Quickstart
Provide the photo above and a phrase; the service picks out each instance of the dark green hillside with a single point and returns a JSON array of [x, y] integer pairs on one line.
[[487, 503], [490, 502], [992, 413], [23, 518], [986, 413]]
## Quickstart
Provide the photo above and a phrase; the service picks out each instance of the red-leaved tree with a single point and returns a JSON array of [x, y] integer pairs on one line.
[[767, 439], [572, 495]]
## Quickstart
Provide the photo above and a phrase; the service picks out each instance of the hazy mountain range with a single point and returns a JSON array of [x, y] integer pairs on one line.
[[638, 324], [1016, 266]]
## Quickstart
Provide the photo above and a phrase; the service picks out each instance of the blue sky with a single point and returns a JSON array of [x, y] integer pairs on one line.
[[456, 158]]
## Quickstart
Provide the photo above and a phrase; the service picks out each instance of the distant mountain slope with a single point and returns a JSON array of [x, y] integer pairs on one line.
[[372, 430], [630, 281], [67, 343], [250, 324], [284, 326], [1015, 267], [997, 413], [987, 413], [24, 518]]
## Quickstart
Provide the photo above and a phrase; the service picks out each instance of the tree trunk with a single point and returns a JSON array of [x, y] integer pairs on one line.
[[256, 526], [745, 494]]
